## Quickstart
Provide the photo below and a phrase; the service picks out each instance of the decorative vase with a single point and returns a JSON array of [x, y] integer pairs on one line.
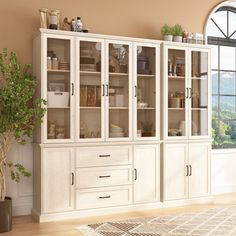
[[6, 215], [178, 39], [168, 37]]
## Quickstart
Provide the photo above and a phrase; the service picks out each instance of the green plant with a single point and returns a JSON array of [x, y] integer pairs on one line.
[[166, 30], [177, 30], [146, 126], [19, 113]]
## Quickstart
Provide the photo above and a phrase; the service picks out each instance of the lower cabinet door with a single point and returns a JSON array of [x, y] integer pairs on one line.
[[199, 163], [58, 180], [146, 173], [175, 179]]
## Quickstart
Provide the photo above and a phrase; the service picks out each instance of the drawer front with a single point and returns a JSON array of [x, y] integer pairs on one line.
[[103, 156], [103, 176], [103, 197]]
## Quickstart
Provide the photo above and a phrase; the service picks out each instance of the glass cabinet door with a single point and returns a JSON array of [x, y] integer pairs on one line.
[[118, 90], [90, 77], [145, 92], [60, 88], [177, 93], [199, 94]]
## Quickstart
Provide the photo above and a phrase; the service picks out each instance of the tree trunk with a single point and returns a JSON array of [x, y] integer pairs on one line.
[[6, 140]]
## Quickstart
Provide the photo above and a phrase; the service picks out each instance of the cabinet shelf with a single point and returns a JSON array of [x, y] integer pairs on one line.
[[176, 77], [90, 108], [94, 73], [199, 78], [200, 109], [118, 108], [146, 108], [175, 108], [118, 74], [58, 71], [143, 76]]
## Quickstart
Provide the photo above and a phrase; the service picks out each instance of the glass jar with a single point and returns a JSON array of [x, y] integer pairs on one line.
[[55, 63], [54, 19], [49, 63]]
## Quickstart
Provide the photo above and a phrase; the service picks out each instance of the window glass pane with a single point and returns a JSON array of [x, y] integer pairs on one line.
[[215, 107], [212, 30], [232, 24], [227, 83], [227, 58], [227, 107], [214, 82], [214, 57], [220, 19]]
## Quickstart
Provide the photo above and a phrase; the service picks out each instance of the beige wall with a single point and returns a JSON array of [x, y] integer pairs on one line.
[[138, 18]]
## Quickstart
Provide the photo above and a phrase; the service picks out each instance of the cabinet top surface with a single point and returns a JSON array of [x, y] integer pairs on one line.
[[115, 37]]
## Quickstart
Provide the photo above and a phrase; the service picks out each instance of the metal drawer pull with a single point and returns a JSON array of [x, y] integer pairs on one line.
[[187, 93], [105, 197], [135, 174], [103, 90], [104, 176], [190, 174], [104, 155], [187, 174], [72, 179], [73, 89]]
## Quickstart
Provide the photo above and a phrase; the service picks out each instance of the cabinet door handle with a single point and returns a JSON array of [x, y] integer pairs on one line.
[[135, 91], [186, 92], [107, 90], [135, 174], [190, 92], [103, 90], [187, 172], [104, 176], [72, 179], [104, 155], [72, 89], [190, 174], [104, 197]]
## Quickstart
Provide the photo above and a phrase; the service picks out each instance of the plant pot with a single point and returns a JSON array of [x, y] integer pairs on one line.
[[6, 215], [168, 37], [178, 39]]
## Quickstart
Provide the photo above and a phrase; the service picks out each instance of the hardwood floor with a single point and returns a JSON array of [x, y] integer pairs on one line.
[[26, 226]]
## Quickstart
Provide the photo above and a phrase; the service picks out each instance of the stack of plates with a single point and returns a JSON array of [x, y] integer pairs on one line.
[[116, 131], [63, 65]]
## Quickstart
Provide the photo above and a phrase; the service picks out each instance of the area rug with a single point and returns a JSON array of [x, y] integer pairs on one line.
[[214, 222]]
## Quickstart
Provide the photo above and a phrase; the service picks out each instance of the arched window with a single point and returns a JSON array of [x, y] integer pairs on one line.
[[221, 33]]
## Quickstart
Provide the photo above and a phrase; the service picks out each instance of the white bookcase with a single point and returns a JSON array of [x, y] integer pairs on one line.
[[102, 121]]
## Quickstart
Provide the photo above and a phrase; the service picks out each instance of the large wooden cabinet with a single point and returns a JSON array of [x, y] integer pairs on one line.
[[102, 123]]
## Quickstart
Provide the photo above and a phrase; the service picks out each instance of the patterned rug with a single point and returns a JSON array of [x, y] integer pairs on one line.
[[214, 222]]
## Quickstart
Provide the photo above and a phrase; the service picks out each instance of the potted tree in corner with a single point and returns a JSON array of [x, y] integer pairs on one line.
[[19, 114], [167, 33], [177, 33]]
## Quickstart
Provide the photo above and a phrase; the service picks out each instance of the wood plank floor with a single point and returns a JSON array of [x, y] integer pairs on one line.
[[26, 226]]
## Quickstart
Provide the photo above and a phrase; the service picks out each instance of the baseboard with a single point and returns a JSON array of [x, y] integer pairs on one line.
[[94, 212], [185, 202], [222, 189]]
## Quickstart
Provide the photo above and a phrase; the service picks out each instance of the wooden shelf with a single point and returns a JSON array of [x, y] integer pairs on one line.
[[91, 108], [145, 76], [199, 78], [118, 108], [175, 108], [94, 73], [59, 71], [146, 108], [118, 74], [176, 77]]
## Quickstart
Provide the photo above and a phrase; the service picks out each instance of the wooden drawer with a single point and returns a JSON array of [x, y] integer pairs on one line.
[[103, 156], [103, 176], [103, 197]]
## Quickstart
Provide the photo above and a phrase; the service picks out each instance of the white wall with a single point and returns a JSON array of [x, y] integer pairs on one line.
[[223, 171], [223, 176]]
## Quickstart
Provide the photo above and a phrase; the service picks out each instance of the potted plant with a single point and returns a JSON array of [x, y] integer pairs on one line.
[[177, 33], [19, 114], [146, 129], [167, 33]]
